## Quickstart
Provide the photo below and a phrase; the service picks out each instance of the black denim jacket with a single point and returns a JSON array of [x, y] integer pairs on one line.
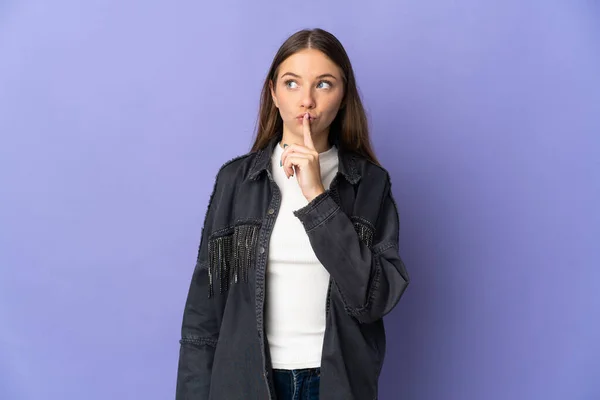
[[353, 230]]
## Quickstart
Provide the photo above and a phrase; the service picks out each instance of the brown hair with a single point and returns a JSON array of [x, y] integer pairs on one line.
[[350, 126]]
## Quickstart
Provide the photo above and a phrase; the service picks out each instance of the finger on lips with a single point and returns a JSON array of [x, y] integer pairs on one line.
[[296, 154], [307, 134]]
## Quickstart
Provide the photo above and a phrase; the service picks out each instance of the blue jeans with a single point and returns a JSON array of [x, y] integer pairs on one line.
[[297, 384]]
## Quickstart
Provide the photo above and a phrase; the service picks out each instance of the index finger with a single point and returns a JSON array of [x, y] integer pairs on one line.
[[308, 142]]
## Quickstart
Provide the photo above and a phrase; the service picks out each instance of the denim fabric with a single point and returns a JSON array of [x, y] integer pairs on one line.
[[297, 384], [353, 229]]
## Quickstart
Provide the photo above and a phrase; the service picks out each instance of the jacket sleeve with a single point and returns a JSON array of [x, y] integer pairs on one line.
[[201, 321], [372, 279]]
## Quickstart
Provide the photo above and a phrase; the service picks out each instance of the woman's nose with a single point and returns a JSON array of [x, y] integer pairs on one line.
[[308, 98]]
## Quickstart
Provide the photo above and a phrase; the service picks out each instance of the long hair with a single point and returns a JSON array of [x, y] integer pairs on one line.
[[350, 126]]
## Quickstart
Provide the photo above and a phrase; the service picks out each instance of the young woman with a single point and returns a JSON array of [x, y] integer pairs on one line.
[[298, 258]]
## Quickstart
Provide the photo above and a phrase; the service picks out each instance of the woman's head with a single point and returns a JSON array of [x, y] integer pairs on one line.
[[311, 72]]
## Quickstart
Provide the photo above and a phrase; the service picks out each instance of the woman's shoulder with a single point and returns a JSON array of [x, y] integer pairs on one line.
[[371, 171], [236, 168]]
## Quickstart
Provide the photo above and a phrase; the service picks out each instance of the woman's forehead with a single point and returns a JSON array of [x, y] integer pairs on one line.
[[309, 63]]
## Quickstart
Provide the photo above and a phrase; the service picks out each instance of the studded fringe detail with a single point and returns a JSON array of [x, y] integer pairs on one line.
[[231, 256], [365, 232]]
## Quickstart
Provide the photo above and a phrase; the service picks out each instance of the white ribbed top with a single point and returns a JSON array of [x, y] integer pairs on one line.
[[296, 281]]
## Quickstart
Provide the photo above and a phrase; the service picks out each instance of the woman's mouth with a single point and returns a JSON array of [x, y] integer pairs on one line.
[[300, 118]]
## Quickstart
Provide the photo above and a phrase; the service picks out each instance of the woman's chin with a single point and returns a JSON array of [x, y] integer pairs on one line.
[[296, 130]]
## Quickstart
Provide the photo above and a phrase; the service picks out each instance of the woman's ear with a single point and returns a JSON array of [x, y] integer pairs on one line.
[[273, 95]]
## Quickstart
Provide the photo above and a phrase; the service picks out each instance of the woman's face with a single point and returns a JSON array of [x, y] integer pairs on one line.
[[308, 81]]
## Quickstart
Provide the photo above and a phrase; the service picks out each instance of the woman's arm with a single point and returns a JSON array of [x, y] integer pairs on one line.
[[201, 321], [370, 280]]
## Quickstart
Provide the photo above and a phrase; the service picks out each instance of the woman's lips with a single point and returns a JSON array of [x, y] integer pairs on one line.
[[301, 117], [300, 120]]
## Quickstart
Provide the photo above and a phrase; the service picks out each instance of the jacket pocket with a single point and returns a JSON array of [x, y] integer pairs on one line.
[[364, 229], [231, 253]]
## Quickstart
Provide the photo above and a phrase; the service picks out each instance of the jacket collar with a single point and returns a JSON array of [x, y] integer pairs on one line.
[[347, 161]]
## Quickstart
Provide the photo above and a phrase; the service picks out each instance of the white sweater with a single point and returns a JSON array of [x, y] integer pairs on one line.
[[296, 281]]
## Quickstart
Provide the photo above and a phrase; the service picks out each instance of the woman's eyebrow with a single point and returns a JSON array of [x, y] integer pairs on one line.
[[326, 76], [318, 77]]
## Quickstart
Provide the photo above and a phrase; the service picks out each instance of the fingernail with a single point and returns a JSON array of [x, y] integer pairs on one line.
[[306, 116]]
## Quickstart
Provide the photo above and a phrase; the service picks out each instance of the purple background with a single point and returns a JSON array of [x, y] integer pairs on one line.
[[115, 117]]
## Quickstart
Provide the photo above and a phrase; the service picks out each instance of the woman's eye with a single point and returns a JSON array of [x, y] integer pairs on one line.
[[291, 84], [324, 85]]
